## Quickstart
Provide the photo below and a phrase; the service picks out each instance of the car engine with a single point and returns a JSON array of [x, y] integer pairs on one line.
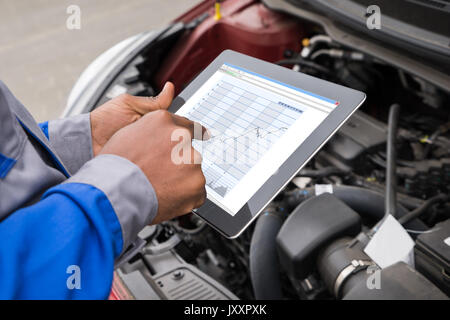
[[392, 156]]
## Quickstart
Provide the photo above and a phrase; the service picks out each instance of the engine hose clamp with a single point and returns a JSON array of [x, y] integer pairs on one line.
[[354, 267]]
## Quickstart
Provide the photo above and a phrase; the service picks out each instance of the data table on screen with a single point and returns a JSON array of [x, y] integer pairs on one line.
[[244, 125]]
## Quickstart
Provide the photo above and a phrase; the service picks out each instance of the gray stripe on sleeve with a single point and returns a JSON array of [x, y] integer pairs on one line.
[[127, 188], [72, 140]]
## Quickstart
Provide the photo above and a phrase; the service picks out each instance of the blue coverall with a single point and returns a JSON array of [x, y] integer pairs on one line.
[[63, 213]]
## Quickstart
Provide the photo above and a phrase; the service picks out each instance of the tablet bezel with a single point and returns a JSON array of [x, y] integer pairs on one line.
[[349, 101]]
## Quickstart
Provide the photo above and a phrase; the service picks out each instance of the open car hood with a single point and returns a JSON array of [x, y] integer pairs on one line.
[[421, 28]]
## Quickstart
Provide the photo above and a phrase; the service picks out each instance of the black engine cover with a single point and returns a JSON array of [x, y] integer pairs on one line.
[[311, 226]]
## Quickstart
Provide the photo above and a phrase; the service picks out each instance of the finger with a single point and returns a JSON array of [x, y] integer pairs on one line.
[[197, 190], [196, 157], [197, 131], [202, 198], [143, 105], [201, 195]]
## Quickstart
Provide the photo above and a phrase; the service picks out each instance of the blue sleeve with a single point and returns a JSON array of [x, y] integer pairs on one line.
[[44, 128], [35, 266]]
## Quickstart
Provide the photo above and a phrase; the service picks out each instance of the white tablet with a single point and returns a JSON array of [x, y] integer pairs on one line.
[[266, 122]]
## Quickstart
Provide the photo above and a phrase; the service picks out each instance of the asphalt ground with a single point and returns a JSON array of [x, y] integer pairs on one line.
[[41, 59]]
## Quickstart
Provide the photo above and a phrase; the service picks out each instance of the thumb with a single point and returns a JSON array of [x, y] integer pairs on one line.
[[143, 105]]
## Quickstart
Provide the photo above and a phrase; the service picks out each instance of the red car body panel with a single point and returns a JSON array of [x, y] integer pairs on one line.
[[246, 26]]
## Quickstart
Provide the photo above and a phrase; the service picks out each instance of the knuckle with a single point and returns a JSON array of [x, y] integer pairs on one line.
[[202, 180], [200, 203], [125, 98], [162, 114], [202, 197], [155, 101]]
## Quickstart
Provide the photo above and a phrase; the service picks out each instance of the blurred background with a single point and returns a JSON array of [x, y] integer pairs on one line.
[[40, 59]]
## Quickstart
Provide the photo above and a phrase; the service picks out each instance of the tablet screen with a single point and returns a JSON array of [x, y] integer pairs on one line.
[[256, 123]]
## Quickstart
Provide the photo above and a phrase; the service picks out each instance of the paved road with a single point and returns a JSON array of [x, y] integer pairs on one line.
[[40, 59]]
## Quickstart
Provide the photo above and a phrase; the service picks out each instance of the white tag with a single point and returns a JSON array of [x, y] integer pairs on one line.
[[447, 241], [301, 182], [323, 188], [391, 244]]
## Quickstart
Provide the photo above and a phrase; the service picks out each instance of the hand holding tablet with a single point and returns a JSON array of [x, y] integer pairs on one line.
[[266, 122]]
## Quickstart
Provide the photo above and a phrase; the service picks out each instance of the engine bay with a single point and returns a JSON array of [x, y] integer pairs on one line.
[[307, 244]]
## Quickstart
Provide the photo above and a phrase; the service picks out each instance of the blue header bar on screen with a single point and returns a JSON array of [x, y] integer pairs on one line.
[[334, 102]]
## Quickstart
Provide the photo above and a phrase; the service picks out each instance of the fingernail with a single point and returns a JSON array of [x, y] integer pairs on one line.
[[207, 134]]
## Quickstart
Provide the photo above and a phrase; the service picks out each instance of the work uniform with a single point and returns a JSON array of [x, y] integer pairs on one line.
[[65, 217]]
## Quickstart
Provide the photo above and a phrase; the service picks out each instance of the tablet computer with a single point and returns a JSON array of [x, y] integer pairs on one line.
[[266, 122]]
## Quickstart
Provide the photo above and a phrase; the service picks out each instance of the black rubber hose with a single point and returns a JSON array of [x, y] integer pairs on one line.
[[405, 200], [306, 63], [322, 172], [409, 202], [422, 209], [368, 203], [391, 166], [264, 265], [364, 201]]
